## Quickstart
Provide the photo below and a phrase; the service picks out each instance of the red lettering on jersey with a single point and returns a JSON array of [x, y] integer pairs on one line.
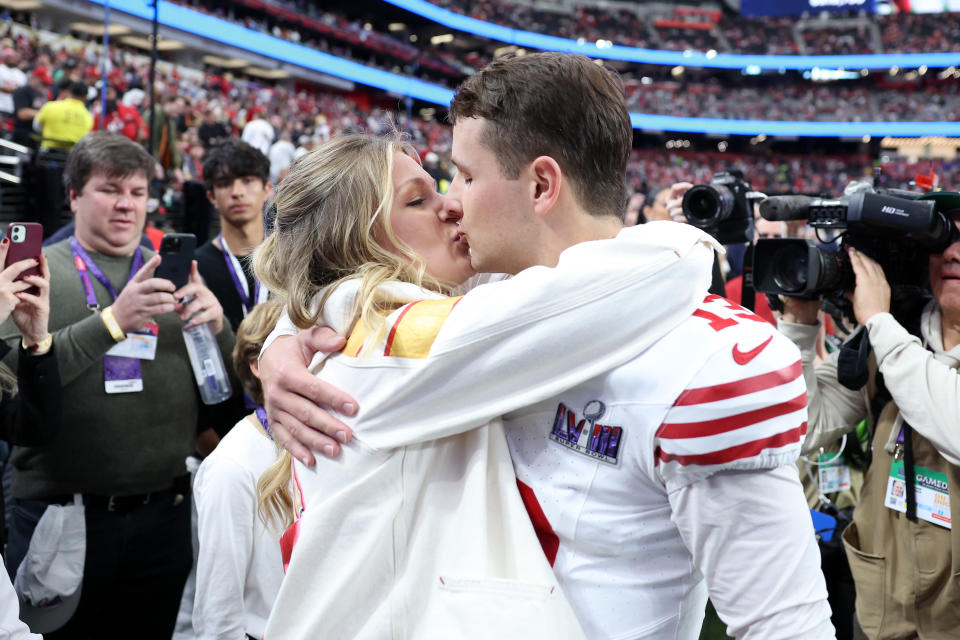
[[548, 539], [718, 323]]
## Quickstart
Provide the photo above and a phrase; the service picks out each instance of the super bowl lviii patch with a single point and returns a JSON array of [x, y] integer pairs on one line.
[[586, 435]]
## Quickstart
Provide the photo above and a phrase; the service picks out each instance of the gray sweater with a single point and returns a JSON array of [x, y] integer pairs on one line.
[[122, 443]]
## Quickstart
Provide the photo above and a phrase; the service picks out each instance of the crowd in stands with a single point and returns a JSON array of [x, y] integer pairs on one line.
[[916, 33], [214, 101], [800, 101]]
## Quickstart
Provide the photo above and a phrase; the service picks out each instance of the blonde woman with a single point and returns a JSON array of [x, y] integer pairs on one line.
[[418, 529]]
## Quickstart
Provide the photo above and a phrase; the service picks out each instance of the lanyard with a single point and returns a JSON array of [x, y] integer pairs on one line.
[[86, 266], [262, 417], [239, 278]]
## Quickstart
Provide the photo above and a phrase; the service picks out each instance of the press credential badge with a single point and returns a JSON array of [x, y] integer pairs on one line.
[[933, 496]]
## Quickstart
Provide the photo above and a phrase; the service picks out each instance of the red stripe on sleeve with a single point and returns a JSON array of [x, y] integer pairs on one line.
[[393, 329], [730, 423], [740, 451], [742, 387]]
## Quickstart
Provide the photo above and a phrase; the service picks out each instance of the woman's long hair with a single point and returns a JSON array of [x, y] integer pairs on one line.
[[333, 225]]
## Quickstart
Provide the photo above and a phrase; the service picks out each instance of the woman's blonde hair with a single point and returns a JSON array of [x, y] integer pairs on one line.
[[333, 225]]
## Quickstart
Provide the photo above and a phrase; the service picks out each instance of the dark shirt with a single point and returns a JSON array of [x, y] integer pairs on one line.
[[32, 416], [213, 269], [26, 98], [210, 134]]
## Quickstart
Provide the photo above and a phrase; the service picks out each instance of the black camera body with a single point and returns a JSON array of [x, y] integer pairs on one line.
[[721, 208], [892, 227]]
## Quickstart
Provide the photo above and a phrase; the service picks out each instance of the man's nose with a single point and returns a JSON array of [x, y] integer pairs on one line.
[[125, 201], [451, 210]]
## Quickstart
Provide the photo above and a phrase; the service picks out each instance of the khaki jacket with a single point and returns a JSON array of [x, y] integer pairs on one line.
[[907, 574]]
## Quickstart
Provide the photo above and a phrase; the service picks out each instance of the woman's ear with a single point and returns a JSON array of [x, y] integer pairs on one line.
[[255, 368], [547, 181]]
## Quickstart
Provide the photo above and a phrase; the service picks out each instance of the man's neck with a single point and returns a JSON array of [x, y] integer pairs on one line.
[[242, 239], [949, 329], [572, 230], [116, 252]]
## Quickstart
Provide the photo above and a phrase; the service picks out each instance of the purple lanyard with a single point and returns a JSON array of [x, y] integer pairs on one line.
[[262, 417], [85, 266], [233, 264]]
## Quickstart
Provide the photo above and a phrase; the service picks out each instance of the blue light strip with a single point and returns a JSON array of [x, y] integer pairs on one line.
[[653, 56], [793, 128], [200, 24]]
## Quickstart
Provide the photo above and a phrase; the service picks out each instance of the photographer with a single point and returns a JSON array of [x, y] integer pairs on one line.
[[903, 553]]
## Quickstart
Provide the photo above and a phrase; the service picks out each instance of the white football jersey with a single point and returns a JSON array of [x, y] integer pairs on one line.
[[722, 391]]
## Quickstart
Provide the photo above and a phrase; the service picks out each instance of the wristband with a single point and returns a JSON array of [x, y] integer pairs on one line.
[[112, 325], [39, 348]]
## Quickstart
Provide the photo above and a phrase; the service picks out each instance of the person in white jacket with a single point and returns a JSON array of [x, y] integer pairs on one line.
[[417, 531], [238, 561], [644, 478]]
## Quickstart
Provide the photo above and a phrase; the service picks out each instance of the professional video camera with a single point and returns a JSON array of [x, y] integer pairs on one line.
[[899, 229], [721, 208]]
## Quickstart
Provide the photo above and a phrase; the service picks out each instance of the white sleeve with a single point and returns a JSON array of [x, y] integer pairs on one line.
[[285, 327], [226, 510], [926, 391], [742, 415], [832, 409], [510, 344], [10, 624], [751, 536]]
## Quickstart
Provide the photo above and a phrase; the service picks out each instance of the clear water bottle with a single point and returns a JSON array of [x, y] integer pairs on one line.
[[207, 363]]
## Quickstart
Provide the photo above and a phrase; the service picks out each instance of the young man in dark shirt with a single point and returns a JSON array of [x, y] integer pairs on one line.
[[237, 179]]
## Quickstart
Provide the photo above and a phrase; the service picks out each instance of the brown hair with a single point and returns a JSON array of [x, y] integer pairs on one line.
[[250, 337], [558, 105], [115, 155]]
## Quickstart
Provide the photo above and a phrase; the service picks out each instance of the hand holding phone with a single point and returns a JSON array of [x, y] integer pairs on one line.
[[25, 281], [176, 254], [25, 241]]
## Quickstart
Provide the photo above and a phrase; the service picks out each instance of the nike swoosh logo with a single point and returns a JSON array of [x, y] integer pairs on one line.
[[743, 357]]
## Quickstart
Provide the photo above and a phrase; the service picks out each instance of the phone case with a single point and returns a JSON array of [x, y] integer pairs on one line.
[[26, 241], [176, 254]]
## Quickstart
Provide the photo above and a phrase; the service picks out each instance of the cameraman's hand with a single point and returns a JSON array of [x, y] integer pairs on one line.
[[872, 293], [675, 201], [800, 311]]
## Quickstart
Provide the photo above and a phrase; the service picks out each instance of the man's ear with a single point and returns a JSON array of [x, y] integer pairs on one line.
[[72, 194], [547, 181]]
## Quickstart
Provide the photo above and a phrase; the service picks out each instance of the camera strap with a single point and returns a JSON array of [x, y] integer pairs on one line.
[[853, 370]]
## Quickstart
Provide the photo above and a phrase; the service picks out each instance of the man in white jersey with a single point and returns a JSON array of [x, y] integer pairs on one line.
[[650, 484]]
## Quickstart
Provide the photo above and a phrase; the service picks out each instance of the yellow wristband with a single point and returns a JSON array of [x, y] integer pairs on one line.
[[40, 348], [112, 326]]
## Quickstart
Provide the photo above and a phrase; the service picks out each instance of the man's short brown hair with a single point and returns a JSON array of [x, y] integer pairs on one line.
[[111, 154], [558, 105]]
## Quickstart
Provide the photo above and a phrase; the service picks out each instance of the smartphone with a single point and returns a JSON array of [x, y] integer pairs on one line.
[[26, 241], [176, 254]]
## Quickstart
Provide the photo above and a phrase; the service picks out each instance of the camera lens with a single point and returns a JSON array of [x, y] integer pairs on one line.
[[701, 203], [790, 268], [707, 204]]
